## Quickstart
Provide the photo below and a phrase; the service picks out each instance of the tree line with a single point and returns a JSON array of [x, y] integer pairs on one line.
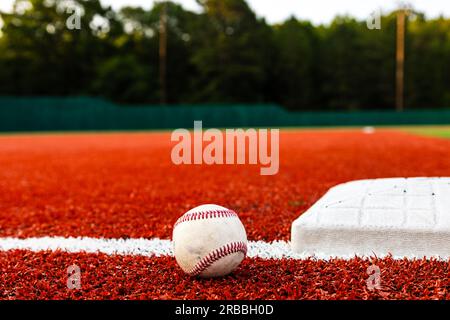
[[223, 54]]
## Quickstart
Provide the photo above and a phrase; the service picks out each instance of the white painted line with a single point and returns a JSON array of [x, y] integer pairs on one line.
[[151, 247], [142, 247]]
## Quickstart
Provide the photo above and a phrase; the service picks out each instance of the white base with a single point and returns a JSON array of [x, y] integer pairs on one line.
[[403, 217]]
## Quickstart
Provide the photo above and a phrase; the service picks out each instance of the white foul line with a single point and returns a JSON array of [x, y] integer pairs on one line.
[[140, 247], [158, 248]]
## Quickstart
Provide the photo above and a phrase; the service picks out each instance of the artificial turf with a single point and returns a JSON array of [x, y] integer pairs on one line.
[[124, 185]]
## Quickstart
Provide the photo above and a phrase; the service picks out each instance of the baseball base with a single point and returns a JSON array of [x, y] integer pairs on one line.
[[405, 217]]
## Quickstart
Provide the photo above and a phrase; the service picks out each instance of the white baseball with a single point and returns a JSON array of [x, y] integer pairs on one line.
[[209, 241]]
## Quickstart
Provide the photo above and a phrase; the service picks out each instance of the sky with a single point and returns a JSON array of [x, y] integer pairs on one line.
[[316, 11]]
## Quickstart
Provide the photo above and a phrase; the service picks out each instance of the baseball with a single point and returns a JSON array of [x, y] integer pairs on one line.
[[209, 241]]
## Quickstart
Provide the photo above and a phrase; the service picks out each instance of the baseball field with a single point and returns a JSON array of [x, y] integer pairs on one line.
[[107, 202]]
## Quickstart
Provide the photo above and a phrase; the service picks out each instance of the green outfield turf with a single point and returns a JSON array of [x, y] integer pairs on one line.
[[435, 131], [432, 131]]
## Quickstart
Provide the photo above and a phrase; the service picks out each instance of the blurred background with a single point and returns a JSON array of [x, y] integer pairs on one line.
[[74, 64]]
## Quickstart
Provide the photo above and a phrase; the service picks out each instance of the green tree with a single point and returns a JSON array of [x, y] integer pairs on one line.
[[341, 62], [296, 65], [231, 57], [224, 54], [427, 63], [43, 56], [142, 40]]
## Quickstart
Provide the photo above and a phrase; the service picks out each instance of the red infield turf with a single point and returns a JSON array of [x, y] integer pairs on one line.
[[125, 185]]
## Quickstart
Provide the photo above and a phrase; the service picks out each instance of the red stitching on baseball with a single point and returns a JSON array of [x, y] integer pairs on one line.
[[205, 215], [218, 254]]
